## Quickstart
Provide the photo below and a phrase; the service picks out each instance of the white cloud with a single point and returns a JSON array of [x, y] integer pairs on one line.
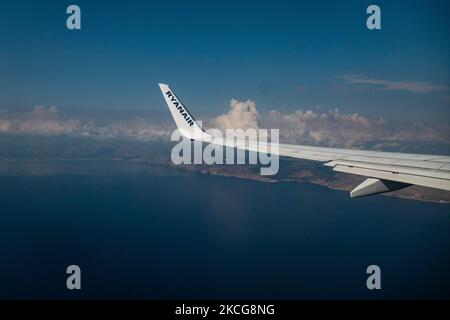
[[337, 129], [411, 86], [331, 128], [4, 125], [48, 121], [43, 111], [323, 128], [138, 128], [242, 115]]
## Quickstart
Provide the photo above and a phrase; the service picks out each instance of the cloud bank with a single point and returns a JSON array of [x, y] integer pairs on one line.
[[333, 128], [305, 126], [49, 121], [337, 129]]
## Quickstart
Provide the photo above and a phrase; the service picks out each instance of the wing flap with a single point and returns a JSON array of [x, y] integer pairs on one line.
[[394, 169], [426, 181]]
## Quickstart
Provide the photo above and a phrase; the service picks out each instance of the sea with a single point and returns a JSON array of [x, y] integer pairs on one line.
[[140, 231]]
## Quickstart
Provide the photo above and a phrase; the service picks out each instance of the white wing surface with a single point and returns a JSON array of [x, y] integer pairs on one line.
[[386, 171]]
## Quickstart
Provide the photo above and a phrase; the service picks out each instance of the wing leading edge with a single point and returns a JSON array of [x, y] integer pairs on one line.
[[386, 171]]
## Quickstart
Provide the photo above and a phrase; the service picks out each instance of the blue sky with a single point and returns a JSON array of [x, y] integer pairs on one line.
[[285, 55]]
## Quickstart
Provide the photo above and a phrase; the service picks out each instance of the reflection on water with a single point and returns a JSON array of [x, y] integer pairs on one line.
[[139, 231]]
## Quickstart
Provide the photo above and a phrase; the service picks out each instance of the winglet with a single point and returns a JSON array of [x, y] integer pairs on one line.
[[183, 118]]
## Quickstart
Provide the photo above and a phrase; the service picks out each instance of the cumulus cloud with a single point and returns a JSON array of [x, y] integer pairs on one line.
[[330, 128], [242, 115], [337, 129], [411, 86]]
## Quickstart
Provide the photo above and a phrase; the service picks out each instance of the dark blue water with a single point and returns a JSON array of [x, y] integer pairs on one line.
[[146, 232]]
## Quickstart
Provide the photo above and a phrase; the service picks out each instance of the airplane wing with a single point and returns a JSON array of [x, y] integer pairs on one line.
[[386, 171]]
